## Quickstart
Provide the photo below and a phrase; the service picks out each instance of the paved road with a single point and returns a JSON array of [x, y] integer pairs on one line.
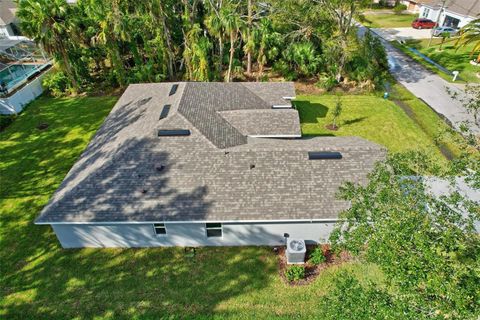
[[428, 86]]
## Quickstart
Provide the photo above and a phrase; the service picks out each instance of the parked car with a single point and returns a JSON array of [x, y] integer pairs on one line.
[[437, 32], [421, 23]]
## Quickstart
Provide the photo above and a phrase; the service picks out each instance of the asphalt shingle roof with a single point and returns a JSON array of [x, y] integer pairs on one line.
[[129, 174]]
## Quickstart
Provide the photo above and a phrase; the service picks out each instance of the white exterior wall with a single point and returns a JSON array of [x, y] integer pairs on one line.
[[429, 13], [16, 102], [188, 234]]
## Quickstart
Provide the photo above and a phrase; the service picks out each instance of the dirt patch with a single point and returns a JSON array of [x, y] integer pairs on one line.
[[42, 126], [311, 271], [331, 127]]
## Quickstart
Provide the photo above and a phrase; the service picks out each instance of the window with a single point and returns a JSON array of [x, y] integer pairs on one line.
[[324, 155], [214, 230], [426, 12], [160, 229], [173, 132]]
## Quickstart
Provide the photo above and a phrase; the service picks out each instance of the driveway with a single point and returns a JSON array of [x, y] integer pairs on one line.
[[391, 34], [427, 86]]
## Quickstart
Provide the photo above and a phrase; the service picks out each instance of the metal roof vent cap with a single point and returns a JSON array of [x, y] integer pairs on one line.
[[296, 250]]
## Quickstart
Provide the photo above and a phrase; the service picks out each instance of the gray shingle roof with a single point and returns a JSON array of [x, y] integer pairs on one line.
[[264, 122], [128, 173]]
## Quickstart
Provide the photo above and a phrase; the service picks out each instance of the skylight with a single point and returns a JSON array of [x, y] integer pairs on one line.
[[173, 90], [324, 155], [165, 111], [173, 132]]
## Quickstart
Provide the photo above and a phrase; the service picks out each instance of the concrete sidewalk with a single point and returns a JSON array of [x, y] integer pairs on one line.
[[391, 34], [427, 86]]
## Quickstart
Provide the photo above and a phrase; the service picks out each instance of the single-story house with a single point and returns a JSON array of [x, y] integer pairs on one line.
[[205, 164], [455, 13], [8, 21]]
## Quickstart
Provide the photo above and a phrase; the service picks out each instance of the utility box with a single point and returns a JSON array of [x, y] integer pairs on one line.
[[296, 250]]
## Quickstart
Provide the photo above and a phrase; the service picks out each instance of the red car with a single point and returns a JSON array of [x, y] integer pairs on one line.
[[421, 23]]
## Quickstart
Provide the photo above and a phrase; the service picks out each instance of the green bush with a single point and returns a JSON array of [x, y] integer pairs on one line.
[[295, 273], [399, 8], [56, 84], [317, 257]]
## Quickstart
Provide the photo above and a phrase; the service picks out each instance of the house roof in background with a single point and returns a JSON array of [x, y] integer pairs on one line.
[[7, 11], [469, 8], [129, 174]]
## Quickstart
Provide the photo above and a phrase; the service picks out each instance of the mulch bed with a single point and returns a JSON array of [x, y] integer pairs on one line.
[[311, 271]]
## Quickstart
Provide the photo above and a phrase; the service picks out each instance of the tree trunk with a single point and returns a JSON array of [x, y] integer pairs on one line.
[[230, 61], [249, 30], [220, 52], [68, 69]]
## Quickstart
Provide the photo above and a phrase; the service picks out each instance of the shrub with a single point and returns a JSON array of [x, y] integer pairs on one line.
[[56, 84], [317, 257], [327, 82], [399, 8], [295, 273]]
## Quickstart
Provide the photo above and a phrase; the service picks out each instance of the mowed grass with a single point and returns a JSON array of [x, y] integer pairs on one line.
[[388, 20], [450, 56], [374, 119], [39, 279]]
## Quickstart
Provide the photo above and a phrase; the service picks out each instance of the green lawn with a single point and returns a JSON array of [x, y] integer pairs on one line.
[[387, 20], [41, 280], [378, 120], [450, 57]]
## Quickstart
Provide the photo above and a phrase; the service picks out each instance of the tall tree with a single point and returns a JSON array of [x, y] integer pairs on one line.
[[233, 24], [48, 23], [425, 243], [342, 12]]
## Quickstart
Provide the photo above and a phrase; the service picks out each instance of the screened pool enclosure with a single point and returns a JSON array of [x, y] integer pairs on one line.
[[20, 62]]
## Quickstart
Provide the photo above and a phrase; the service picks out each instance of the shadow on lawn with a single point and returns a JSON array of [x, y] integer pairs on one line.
[[42, 280], [310, 112]]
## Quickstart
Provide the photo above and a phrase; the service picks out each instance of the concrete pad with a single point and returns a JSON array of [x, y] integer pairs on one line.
[[391, 34]]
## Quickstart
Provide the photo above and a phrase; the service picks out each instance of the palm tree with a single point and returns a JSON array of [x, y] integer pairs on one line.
[[47, 23], [233, 24], [471, 34], [215, 27]]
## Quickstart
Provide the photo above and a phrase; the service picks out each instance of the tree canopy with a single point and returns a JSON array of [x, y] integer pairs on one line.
[[115, 42]]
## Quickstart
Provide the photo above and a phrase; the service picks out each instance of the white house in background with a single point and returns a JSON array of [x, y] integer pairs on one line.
[[455, 13], [8, 20]]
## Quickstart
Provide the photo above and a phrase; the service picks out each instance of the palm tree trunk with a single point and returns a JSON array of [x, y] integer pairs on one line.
[[68, 68], [220, 52], [230, 61], [249, 30]]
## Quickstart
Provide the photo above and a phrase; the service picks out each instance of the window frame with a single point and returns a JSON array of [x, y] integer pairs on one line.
[[220, 227], [160, 225]]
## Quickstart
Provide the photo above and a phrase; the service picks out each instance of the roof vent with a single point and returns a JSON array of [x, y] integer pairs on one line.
[[173, 90], [165, 111], [173, 132], [324, 155], [252, 166], [159, 167]]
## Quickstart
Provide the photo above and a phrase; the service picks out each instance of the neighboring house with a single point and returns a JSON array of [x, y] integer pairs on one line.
[[8, 21], [455, 13], [205, 164]]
